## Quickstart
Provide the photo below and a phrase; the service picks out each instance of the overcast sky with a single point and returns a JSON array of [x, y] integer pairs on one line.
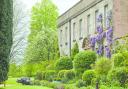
[[63, 5]]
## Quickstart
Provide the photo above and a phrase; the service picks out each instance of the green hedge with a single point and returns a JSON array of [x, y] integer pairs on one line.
[[88, 76], [83, 61], [64, 63]]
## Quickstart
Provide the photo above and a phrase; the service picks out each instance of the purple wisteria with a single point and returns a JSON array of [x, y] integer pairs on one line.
[[102, 35]]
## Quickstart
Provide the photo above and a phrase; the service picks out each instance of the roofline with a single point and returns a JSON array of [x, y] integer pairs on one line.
[[70, 8]]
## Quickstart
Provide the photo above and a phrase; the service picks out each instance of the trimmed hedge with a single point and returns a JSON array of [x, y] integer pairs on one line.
[[83, 61], [64, 63], [88, 76]]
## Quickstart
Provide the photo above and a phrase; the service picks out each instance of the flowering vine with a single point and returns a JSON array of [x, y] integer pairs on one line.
[[103, 35]]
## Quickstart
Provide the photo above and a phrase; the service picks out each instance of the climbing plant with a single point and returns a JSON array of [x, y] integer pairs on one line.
[[103, 36]]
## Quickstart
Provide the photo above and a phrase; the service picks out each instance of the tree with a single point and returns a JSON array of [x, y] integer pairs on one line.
[[43, 42], [19, 34], [44, 15], [6, 14]]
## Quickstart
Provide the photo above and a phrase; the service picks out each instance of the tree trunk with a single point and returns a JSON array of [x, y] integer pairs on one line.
[[6, 17]]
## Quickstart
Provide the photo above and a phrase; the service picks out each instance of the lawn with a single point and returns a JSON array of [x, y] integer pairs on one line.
[[11, 84]]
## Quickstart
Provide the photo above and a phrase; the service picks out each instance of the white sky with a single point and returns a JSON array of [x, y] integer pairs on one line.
[[63, 5]]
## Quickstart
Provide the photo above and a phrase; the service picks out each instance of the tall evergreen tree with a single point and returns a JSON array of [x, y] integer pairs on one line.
[[6, 16]]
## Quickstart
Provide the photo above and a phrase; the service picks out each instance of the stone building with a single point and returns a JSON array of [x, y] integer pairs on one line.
[[80, 22]]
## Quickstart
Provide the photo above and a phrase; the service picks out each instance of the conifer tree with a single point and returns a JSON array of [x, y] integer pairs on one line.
[[6, 16]]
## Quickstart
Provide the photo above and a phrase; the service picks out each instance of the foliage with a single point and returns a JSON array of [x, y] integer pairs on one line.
[[83, 61], [43, 42], [118, 59], [50, 75], [102, 67], [64, 63], [66, 75], [74, 50], [6, 14], [80, 83], [41, 18], [69, 74], [119, 74], [40, 76], [88, 76], [16, 70]]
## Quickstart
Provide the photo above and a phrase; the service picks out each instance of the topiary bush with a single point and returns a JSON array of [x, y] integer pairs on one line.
[[83, 61], [118, 59], [64, 63], [88, 76], [69, 74], [50, 75], [119, 74]]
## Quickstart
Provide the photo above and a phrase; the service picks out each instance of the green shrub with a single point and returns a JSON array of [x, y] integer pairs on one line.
[[118, 59], [36, 82], [50, 75], [102, 67], [64, 63], [125, 55], [66, 75], [69, 74], [80, 83], [74, 50], [83, 61], [61, 74], [40, 76], [88, 76], [119, 74]]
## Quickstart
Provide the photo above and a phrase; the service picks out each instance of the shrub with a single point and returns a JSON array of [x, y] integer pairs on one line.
[[74, 50], [61, 74], [119, 74], [40, 76], [50, 75], [118, 59], [88, 76], [102, 67], [66, 75], [80, 83], [69, 74], [64, 63], [83, 61]]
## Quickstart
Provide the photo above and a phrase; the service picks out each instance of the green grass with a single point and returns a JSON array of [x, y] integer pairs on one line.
[[11, 84]]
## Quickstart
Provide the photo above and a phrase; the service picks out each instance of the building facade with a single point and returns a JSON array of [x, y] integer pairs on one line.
[[80, 22]]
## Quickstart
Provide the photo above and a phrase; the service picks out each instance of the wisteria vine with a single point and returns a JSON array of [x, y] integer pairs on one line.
[[102, 35]]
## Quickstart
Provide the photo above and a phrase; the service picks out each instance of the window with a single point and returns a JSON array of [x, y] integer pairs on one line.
[[61, 34], [74, 31], [96, 16], [66, 35], [88, 25], [105, 15], [80, 30]]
